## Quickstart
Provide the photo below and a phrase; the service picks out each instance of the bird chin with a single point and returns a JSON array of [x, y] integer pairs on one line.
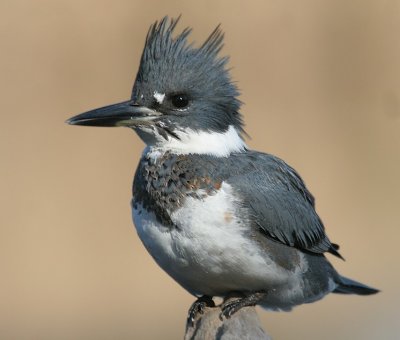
[[147, 133]]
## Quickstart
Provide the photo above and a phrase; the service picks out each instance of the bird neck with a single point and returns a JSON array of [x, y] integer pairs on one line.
[[219, 144]]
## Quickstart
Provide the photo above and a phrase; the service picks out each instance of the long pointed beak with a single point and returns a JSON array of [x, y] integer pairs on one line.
[[120, 114]]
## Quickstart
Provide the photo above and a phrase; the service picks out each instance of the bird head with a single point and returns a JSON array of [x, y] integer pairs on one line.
[[183, 97]]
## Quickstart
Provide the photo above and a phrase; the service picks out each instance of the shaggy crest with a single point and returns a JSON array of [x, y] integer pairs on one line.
[[160, 43]]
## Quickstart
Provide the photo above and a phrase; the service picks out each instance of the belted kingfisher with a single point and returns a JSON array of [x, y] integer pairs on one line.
[[219, 218]]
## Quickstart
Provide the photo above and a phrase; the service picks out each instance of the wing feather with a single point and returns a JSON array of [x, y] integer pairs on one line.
[[279, 202]]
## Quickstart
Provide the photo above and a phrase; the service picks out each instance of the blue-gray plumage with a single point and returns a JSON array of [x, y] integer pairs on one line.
[[219, 218]]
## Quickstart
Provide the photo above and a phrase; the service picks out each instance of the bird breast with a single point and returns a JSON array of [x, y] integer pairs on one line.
[[210, 250]]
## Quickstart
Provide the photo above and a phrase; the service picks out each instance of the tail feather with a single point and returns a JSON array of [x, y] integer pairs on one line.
[[348, 286]]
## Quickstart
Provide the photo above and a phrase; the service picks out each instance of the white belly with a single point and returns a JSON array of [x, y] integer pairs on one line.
[[210, 251]]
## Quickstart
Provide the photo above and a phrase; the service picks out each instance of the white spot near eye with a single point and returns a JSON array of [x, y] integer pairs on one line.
[[159, 97], [141, 96]]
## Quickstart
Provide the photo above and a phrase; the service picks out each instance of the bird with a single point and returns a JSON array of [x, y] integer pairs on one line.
[[221, 219]]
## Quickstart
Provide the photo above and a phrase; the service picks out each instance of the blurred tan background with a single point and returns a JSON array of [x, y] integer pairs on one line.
[[321, 86]]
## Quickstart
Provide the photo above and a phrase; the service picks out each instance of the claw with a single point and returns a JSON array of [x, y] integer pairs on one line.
[[229, 308], [198, 307]]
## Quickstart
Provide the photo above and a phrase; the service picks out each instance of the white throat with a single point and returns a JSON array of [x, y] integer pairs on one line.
[[220, 144]]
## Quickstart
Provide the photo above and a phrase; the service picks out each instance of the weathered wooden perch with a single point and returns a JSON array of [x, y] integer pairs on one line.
[[243, 325]]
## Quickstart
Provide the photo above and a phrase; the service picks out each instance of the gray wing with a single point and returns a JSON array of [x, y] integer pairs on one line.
[[279, 202]]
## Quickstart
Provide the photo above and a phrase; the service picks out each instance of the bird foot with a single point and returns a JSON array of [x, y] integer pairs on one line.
[[230, 307], [198, 308]]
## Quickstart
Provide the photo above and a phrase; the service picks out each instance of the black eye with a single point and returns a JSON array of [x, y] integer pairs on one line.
[[180, 100]]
